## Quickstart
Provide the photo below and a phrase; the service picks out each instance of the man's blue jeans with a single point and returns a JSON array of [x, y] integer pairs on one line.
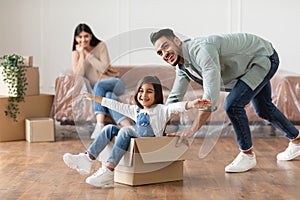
[[110, 88], [261, 100]]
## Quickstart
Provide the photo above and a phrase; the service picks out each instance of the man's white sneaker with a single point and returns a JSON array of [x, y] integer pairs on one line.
[[290, 153], [103, 177], [81, 162], [243, 162], [97, 131]]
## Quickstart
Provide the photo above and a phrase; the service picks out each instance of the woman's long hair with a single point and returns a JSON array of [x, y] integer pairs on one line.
[[154, 80], [85, 28]]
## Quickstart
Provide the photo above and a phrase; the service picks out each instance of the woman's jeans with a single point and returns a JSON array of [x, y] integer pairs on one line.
[[261, 100], [121, 144], [110, 88]]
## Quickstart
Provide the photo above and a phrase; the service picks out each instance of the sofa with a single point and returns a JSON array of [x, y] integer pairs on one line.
[[285, 94]]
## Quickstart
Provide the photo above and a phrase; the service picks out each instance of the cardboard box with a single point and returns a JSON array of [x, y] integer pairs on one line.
[[33, 80], [149, 160], [28, 61], [39, 130], [34, 106]]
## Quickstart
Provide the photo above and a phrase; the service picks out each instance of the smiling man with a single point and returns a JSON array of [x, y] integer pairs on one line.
[[240, 63]]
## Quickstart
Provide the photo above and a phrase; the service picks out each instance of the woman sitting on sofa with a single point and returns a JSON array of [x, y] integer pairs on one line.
[[91, 61]]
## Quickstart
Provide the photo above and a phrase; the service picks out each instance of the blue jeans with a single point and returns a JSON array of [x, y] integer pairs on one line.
[[110, 88], [261, 100], [143, 126], [121, 144]]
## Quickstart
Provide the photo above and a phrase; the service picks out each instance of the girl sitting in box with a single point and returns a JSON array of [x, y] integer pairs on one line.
[[151, 117]]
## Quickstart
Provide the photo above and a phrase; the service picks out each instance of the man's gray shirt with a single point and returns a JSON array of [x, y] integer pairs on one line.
[[220, 60]]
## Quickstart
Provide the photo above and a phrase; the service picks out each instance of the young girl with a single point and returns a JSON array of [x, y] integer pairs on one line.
[[150, 116]]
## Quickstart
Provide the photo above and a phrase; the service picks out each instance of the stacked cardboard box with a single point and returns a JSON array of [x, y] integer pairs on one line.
[[35, 105]]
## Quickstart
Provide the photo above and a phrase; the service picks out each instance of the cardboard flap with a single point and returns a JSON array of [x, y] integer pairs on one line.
[[160, 149]]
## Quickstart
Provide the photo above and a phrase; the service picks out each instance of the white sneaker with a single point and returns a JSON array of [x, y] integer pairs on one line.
[[243, 162], [81, 162], [97, 131], [290, 153], [103, 177]]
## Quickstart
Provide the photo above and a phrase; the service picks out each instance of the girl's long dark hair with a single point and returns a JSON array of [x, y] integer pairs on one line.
[[85, 28], [154, 80]]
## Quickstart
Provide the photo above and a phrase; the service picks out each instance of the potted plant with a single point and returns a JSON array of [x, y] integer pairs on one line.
[[14, 75]]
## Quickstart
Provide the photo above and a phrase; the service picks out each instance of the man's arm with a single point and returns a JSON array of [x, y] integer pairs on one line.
[[207, 60], [180, 86], [200, 119]]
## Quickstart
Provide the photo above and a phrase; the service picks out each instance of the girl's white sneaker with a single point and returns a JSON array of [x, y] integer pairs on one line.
[[103, 177], [81, 162]]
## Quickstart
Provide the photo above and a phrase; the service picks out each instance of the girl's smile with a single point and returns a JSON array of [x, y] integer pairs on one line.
[[146, 95]]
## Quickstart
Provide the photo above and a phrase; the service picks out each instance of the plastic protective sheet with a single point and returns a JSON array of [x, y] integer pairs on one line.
[[69, 105], [286, 94]]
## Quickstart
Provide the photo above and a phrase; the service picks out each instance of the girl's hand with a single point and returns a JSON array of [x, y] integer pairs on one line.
[[198, 103], [88, 96]]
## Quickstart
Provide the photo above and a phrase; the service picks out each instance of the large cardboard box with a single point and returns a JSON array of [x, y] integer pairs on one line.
[[33, 80], [149, 160], [40, 129], [34, 106]]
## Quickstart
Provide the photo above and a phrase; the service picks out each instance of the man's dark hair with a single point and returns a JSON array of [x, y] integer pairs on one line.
[[168, 33]]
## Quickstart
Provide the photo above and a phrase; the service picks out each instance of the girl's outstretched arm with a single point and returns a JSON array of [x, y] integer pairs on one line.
[[197, 103], [92, 97], [123, 108]]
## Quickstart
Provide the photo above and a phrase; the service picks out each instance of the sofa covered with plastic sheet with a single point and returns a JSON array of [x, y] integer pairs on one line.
[[71, 106]]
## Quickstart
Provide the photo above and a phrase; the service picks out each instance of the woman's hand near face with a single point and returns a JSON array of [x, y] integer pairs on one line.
[[79, 48], [78, 58], [82, 50]]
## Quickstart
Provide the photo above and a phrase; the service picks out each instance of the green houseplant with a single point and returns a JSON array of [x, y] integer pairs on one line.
[[14, 75]]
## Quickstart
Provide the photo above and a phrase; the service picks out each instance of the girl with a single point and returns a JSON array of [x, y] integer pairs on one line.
[[150, 116]]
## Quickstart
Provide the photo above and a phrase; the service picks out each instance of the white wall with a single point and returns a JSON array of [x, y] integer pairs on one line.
[[44, 28]]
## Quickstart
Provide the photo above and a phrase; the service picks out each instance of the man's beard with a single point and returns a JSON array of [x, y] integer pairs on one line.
[[177, 61]]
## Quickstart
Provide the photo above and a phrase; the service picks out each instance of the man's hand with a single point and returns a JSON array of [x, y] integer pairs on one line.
[[185, 137], [198, 103]]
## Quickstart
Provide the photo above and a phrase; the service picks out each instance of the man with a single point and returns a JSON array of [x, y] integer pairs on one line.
[[242, 63]]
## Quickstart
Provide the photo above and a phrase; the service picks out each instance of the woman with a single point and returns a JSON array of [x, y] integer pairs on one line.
[[90, 60]]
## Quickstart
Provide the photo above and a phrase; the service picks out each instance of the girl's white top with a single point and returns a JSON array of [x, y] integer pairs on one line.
[[159, 114]]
